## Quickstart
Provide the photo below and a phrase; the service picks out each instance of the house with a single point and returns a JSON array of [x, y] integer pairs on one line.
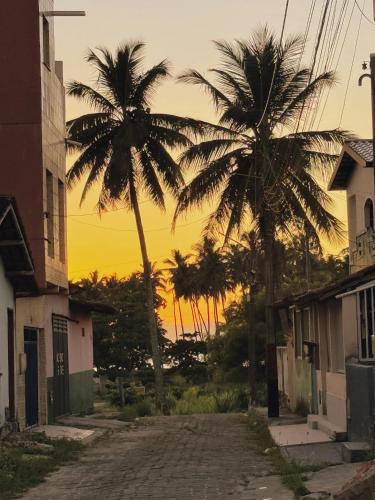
[[53, 332], [331, 331], [16, 280]]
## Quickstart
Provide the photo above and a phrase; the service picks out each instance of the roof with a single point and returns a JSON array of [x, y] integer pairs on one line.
[[89, 306], [331, 290], [359, 151], [14, 250]]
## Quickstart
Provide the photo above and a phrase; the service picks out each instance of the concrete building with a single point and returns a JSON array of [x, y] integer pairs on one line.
[[16, 280], [32, 144], [331, 331]]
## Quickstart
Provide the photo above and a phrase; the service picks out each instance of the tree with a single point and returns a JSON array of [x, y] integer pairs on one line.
[[124, 147], [211, 277], [122, 344], [262, 169]]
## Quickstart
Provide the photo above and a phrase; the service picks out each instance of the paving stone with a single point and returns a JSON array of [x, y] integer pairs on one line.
[[200, 457]]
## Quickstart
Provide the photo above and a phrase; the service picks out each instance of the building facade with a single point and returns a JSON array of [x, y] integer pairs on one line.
[[50, 335], [331, 331]]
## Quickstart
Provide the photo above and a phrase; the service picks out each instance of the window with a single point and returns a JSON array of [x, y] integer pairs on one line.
[[46, 45], [369, 214], [366, 324], [61, 194], [50, 214]]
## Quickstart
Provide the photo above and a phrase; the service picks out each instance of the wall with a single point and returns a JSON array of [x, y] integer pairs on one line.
[[336, 399], [6, 301], [360, 188], [81, 385], [36, 312], [20, 117], [282, 370]]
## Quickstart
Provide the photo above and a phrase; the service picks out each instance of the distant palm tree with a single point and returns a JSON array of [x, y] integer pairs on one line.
[[262, 170], [211, 277], [124, 147], [179, 276]]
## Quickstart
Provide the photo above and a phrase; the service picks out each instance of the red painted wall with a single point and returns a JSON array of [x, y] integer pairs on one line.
[[21, 164]]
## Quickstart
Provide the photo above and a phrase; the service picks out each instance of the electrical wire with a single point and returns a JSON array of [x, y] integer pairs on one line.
[[351, 67], [123, 230], [275, 65], [363, 13]]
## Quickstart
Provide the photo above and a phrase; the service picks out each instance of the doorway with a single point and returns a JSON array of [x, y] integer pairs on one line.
[[31, 376], [60, 366]]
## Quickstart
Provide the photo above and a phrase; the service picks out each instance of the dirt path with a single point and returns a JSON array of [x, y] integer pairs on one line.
[[193, 457]]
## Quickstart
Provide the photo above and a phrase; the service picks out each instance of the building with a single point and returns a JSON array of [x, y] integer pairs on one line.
[[52, 334], [331, 331], [16, 280]]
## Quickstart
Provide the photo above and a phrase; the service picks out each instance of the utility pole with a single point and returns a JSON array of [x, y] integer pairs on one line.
[[371, 75]]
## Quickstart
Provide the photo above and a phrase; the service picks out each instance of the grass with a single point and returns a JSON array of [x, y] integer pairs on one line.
[[20, 470], [292, 474]]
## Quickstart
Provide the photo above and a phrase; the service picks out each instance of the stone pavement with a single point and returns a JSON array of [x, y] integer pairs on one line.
[[200, 457]]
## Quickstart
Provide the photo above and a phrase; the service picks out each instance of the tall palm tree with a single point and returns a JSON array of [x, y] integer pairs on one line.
[[262, 171], [123, 147], [179, 276], [211, 277]]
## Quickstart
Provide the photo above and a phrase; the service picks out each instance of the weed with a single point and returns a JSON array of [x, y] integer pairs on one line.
[[20, 471], [291, 473]]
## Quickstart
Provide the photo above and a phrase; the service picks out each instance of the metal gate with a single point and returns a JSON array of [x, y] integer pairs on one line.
[[31, 376], [60, 366]]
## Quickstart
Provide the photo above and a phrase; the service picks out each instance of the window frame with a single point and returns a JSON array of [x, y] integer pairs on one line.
[[363, 295]]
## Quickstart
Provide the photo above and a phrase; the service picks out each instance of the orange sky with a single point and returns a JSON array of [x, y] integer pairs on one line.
[[182, 32]]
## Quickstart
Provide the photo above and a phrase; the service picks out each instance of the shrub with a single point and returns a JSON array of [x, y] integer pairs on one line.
[[302, 408], [145, 408], [128, 413]]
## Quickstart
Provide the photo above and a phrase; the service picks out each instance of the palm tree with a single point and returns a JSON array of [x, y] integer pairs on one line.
[[123, 146], [211, 277], [262, 170], [180, 277]]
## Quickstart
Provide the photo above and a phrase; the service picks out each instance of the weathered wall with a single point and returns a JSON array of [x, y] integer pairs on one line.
[[81, 385], [336, 399], [6, 301], [36, 312]]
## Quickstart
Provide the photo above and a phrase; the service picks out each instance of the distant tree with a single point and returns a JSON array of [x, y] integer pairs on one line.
[[187, 357], [121, 340]]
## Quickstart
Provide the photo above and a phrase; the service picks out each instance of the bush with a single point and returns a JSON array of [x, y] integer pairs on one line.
[[145, 408], [302, 408], [128, 413]]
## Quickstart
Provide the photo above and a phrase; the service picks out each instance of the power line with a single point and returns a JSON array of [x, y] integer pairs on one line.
[[351, 66], [123, 230], [275, 64], [363, 13]]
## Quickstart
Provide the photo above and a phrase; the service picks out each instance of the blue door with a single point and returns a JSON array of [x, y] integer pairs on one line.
[[31, 376]]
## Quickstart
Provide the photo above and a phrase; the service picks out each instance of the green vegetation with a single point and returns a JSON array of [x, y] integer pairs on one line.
[[292, 474], [22, 467]]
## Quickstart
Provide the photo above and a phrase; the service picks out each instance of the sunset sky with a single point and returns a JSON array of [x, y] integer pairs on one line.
[[183, 33]]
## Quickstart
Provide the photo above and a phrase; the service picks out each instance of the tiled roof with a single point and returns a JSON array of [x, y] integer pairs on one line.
[[363, 147]]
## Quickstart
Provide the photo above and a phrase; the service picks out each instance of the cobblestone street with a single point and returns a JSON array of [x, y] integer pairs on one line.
[[182, 457]]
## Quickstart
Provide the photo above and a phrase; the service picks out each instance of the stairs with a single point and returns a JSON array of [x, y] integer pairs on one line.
[[334, 432]]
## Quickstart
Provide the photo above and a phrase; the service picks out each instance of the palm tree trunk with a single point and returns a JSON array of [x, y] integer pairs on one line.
[[201, 317], [271, 359], [181, 320], [155, 348], [174, 315], [193, 316], [208, 316]]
